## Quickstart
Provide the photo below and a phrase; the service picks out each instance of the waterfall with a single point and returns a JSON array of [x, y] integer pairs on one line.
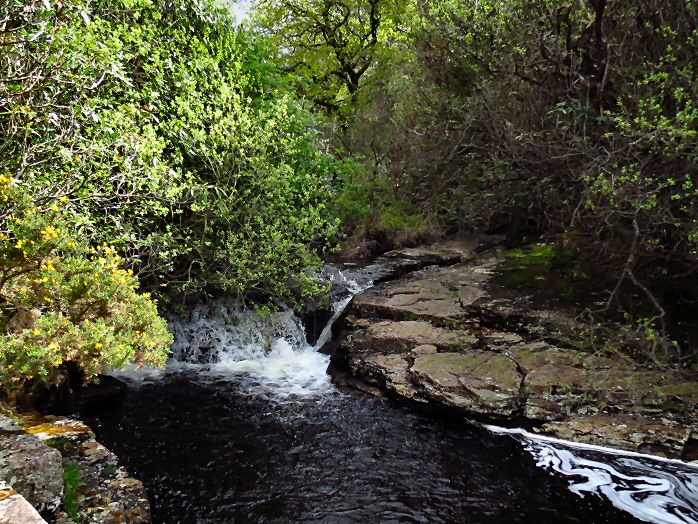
[[270, 350]]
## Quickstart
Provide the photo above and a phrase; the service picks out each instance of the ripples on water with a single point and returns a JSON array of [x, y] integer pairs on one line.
[[245, 426]]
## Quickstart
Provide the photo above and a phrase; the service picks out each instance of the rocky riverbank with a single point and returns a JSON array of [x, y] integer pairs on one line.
[[53, 467], [451, 337]]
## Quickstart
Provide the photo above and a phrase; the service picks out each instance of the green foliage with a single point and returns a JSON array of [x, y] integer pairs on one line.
[[576, 121], [173, 136], [72, 484], [333, 46], [109, 470], [63, 301]]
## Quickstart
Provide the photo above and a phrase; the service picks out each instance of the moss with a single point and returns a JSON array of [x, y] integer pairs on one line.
[[65, 446], [534, 255], [72, 483], [550, 274], [36, 423], [109, 470]]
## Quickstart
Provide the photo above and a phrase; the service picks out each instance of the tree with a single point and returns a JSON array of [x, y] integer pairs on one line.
[[331, 44]]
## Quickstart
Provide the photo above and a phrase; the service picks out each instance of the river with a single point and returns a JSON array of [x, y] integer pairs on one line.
[[245, 426]]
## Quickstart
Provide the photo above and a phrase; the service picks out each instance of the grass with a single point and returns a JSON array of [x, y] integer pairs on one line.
[[109, 470], [72, 482]]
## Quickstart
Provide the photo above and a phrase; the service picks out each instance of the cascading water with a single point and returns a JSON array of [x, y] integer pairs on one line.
[[245, 426], [269, 349]]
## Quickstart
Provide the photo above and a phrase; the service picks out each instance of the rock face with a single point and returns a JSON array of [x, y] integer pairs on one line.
[[390, 266], [14, 508], [447, 337], [31, 467], [106, 493], [32, 461]]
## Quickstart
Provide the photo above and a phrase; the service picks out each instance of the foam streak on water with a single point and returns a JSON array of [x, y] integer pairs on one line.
[[650, 488]]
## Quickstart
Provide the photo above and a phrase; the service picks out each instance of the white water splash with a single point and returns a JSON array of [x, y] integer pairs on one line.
[[224, 340], [651, 489]]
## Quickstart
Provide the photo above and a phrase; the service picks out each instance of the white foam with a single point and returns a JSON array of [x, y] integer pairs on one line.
[[228, 341], [652, 489]]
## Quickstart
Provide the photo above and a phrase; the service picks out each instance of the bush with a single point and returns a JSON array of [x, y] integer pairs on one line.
[[173, 136], [65, 302]]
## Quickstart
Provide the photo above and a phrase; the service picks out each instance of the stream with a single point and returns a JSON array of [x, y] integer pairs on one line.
[[244, 425]]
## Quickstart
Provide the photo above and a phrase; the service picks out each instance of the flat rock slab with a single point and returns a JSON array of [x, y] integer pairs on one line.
[[631, 432], [440, 295], [442, 335], [388, 336], [478, 382]]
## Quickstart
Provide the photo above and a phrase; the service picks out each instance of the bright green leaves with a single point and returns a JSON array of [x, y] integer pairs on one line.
[[332, 46], [174, 132]]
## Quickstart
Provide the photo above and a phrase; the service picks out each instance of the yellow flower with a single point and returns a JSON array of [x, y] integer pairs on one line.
[[58, 362], [50, 233], [36, 331], [98, 345]]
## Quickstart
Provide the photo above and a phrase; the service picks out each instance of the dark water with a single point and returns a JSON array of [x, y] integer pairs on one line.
[[214, 450]]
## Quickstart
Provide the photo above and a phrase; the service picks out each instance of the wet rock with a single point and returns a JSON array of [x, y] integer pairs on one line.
[[52, 428], [477, 382], [448, 336], [124, 500], [107, 493], [33, 469], [439, 295], [386, 336], [441, 253], [14, 508], [389, 371], [7, 425], [662, 437]]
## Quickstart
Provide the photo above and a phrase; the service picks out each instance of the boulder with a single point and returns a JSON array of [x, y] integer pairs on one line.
[[453, 337], [14, 508], [33, 469]]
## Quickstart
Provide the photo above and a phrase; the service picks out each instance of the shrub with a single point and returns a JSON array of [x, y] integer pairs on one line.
[[62, 301]]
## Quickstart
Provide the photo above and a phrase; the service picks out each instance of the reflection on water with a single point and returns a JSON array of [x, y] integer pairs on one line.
[[220, 450]]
